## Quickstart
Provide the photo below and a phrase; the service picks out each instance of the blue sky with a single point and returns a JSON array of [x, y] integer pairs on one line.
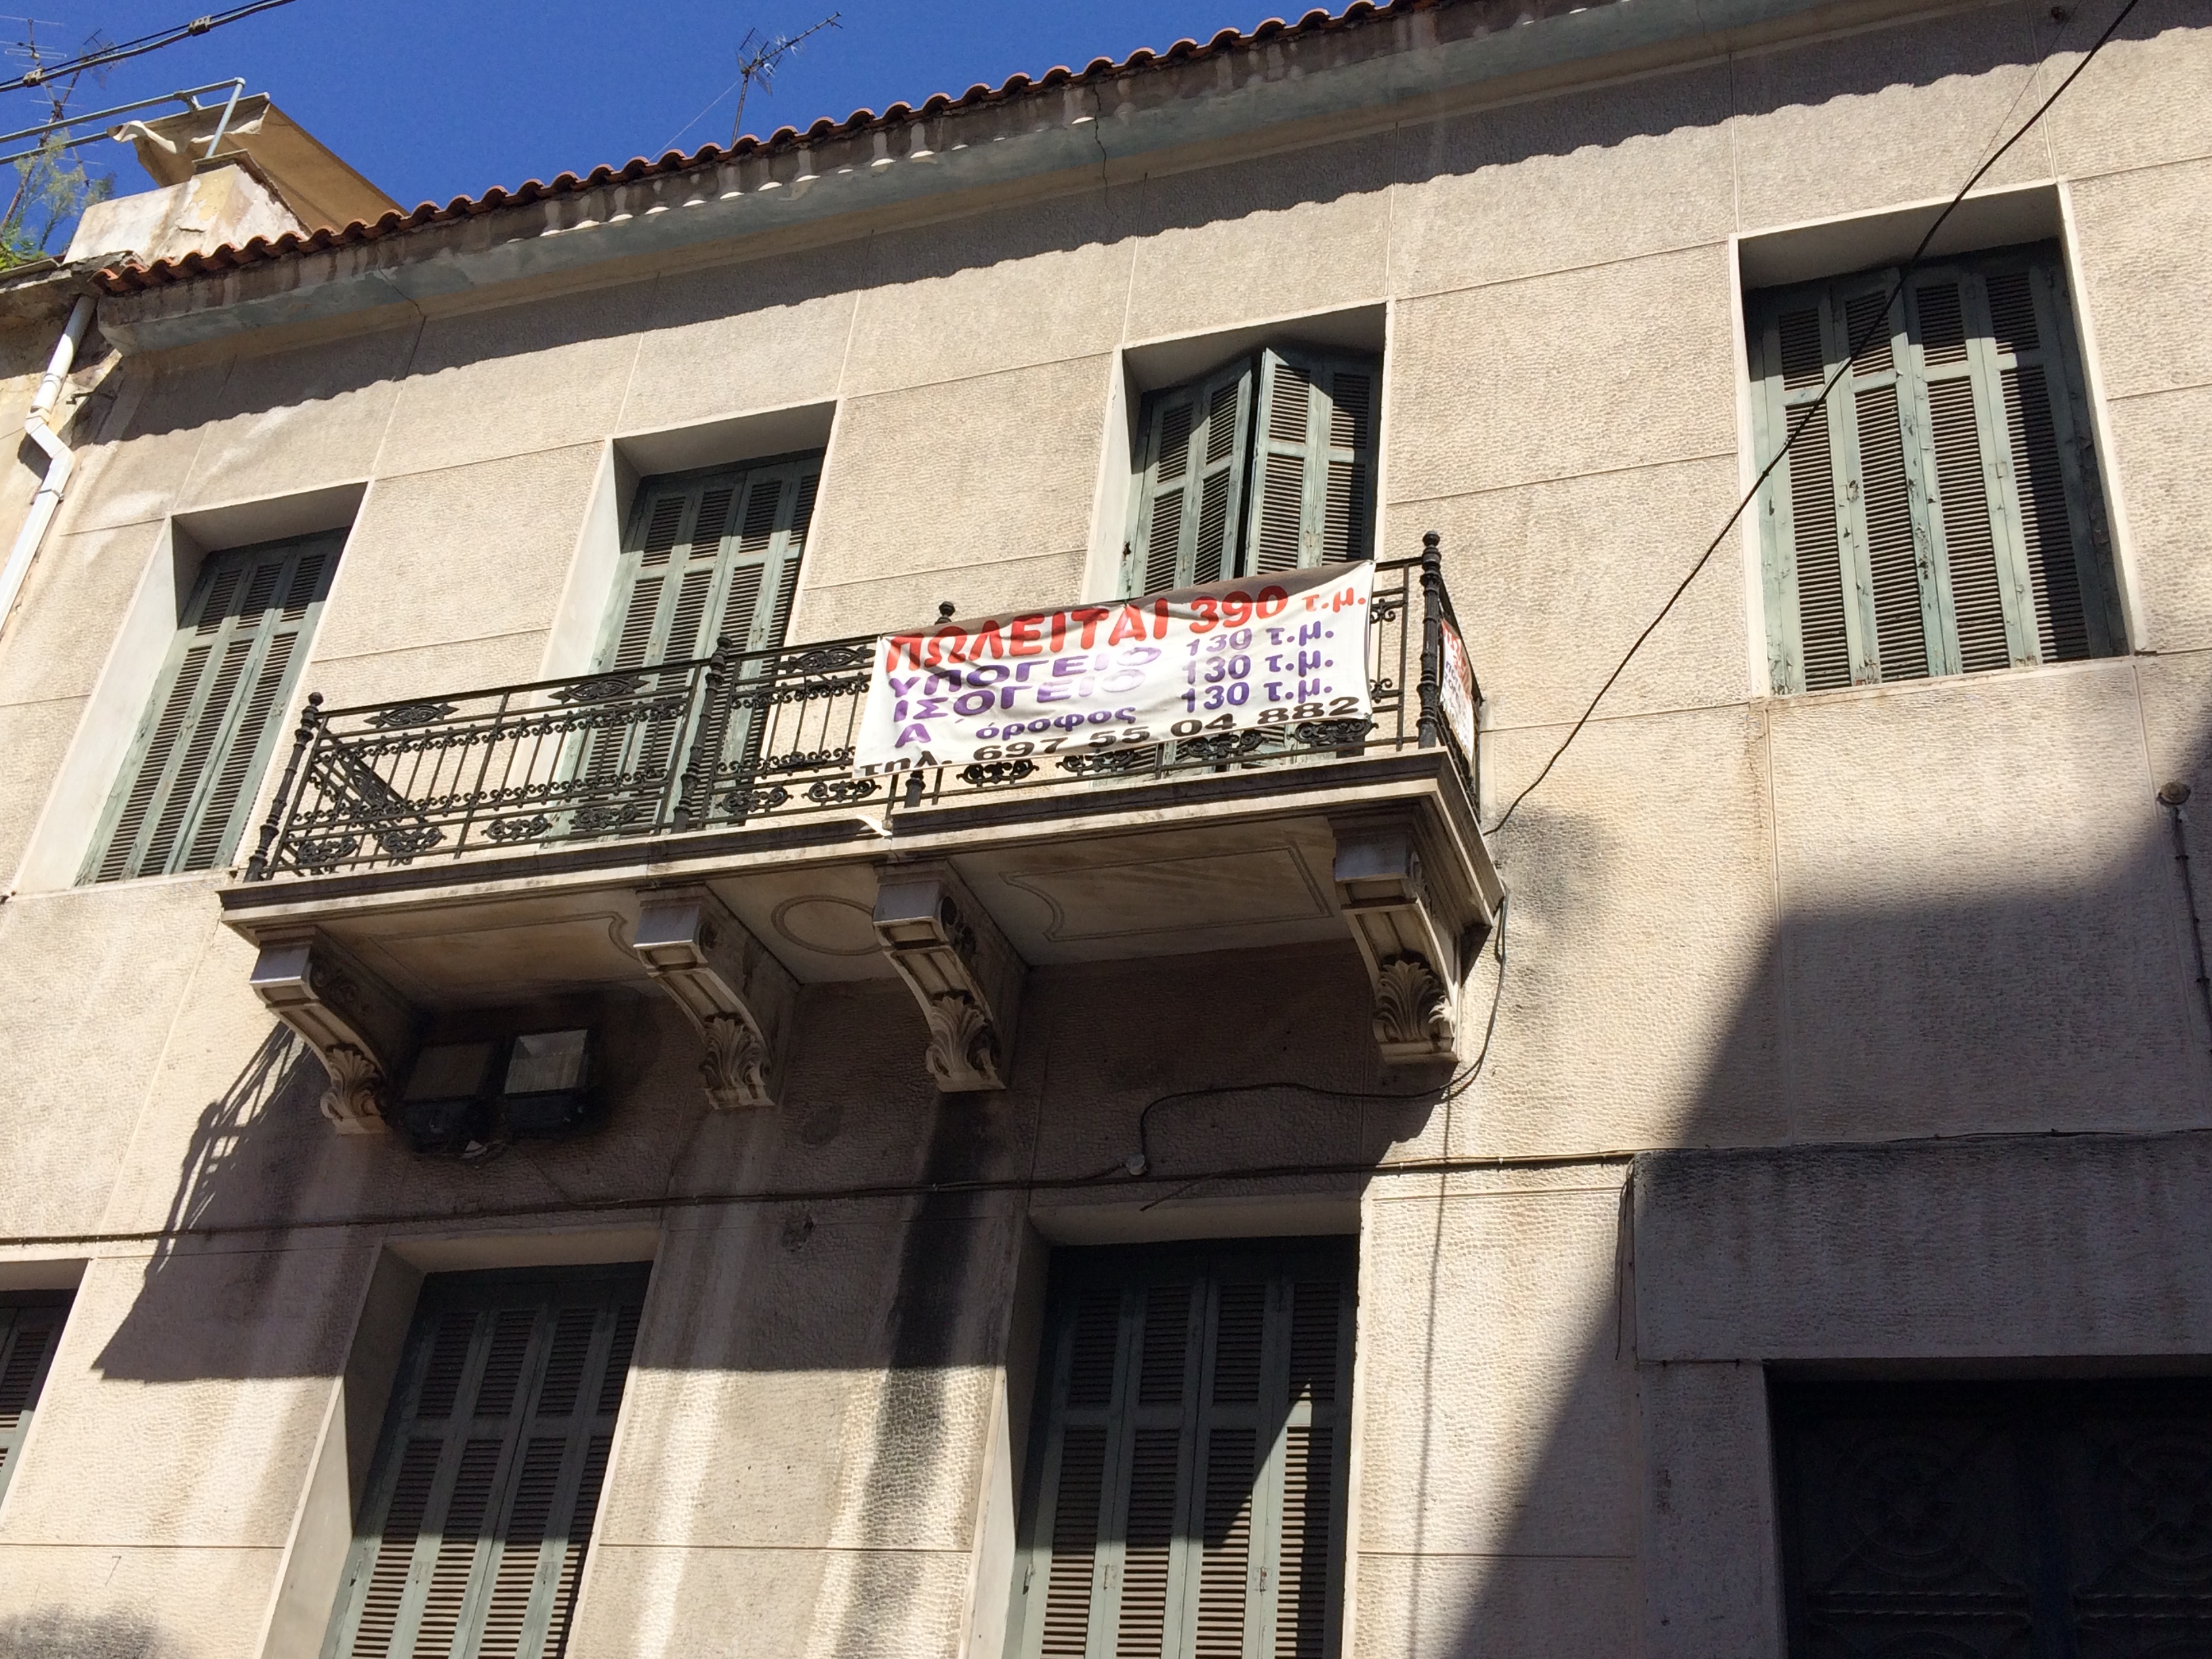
[[432, 98]]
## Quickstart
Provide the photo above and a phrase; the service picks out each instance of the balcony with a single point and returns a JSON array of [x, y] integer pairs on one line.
[[698, 825]]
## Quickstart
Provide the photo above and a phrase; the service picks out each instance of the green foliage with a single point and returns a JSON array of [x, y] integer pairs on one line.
[[52, 190]]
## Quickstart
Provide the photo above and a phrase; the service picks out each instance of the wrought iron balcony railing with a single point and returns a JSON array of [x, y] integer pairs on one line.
[[739, 739]]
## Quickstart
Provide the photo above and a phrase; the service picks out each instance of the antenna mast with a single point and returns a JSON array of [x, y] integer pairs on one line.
[[758, 59]]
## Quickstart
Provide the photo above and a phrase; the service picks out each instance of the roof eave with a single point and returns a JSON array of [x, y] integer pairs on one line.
[[1397, 66]]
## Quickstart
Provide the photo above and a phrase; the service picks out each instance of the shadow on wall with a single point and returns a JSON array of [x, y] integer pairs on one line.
[[1929, 1016], [55, 1634], [273, 1294], [234, 1138]]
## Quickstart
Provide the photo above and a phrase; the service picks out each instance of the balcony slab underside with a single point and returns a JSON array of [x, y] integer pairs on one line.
[[959, 901], [1236, 861]]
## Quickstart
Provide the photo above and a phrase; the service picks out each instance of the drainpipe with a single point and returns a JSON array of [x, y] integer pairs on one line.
[[60, 460]]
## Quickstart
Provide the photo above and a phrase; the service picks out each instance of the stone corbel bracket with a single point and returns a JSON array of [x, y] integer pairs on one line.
[[961, 970], [733, 990], [360, 1028], [1408, 925]]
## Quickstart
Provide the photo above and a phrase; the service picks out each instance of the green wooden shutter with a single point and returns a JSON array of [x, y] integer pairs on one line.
[[709, 554], [2049, 456], [1940, 511], [1195, 452], [30, 1331], [1186, 1497], [481, 1504], [217, 713], [1313, 488]]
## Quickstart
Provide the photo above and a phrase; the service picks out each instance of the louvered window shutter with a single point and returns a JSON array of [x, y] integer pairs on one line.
[[712, 554], [1194, 455], [1187, 1493], [30, 1330], [1313, 489], [481, 1504], [217, 711], [1940, 512], [709, 554]]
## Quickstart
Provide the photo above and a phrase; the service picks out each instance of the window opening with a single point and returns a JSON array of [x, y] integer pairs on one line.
[[707, 553], [2026, 1518], [1941, 512], [30, 1330], [481, 1503], [1187, 1486], [184, 795], [1265, 464]]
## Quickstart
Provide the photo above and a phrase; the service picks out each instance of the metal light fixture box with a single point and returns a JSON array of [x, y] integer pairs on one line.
[[447, 1105], [547, 1087], [464, 1095]]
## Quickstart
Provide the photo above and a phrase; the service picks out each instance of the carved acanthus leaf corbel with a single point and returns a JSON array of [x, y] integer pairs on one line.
[[962, 972], [354, 1099], [735, 1069], [1409, 947], [360, 1029], [1413, 1012], [737, 995], [963, 1051]]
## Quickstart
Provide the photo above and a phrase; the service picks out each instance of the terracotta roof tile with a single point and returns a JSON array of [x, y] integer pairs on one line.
[[133, 277]]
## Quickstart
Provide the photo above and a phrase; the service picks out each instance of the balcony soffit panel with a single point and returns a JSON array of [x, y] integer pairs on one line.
[[1164, 891], [461, 956]]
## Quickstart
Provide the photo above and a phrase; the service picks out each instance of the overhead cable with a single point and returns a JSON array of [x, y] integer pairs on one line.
[[1141, 1162], [1812, 408], [101, 56]]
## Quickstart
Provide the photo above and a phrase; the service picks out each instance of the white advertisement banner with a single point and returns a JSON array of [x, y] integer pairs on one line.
[[1228, 657]]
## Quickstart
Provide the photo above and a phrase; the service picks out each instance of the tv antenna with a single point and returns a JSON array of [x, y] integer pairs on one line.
[[758, 58], [58, 82]]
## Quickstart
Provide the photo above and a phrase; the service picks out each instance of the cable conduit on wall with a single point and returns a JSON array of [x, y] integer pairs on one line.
[[61, 460]]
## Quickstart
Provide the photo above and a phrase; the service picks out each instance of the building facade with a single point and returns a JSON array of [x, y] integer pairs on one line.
[[513, 1148]]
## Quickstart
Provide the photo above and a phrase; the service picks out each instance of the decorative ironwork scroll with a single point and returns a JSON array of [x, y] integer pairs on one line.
[[731, 742]]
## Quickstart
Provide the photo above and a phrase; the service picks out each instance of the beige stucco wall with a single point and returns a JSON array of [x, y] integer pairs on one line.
[[1866, 917]]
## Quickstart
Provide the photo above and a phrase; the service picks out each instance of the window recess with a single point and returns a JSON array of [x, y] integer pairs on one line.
[[710, 553], [2001, 1518], [1187, 1487], [707, 554], [1941, 512], [197, 757], [480, 1507], [30, 1330], [1265, 464]]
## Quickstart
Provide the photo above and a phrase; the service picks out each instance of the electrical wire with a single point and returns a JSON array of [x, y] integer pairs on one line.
[[1372, 1168], [879, 1191], [103, 56], [1458, 1085], [701, 115], [1903, 275]]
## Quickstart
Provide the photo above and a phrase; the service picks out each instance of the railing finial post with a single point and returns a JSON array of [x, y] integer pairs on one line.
[[1432, 640], [310, 722]]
